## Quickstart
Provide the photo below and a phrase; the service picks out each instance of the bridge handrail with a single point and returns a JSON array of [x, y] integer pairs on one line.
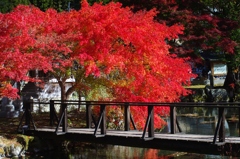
[[175, 104], [149, 125]]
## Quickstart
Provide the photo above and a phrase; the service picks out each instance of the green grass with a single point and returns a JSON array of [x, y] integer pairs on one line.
[[195, 86]]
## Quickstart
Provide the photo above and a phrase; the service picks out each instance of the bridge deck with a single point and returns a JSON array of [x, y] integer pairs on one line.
[[138, 134], [177, 142], [218, 143]]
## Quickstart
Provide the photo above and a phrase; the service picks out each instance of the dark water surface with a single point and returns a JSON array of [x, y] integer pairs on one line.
[[119, 152], [77, 150]]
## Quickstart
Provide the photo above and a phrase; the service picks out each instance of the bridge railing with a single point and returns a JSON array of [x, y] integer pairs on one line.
[[148, 131]]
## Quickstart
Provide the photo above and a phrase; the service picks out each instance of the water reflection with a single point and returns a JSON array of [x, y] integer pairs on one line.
[[94, 151]]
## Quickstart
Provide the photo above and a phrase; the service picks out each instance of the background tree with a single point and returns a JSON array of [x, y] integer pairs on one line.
[[59, 5], [8, 5], [228, 13], [211, 27]]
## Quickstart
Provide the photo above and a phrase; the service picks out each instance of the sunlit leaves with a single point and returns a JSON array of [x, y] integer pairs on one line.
[[107, 48], [7, 90], [18, 55]]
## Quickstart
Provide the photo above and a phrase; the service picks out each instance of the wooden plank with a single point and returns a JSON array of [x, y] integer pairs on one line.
[[138, 134], [194, 143], [174, 141]]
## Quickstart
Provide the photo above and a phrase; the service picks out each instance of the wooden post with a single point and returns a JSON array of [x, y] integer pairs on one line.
[[64, 122], [27, 106], [173, 119], [126, 117], [51, 112], [221, 116], [103, 123], [31, 105], [151, 122], [239, 121], [88, 115]]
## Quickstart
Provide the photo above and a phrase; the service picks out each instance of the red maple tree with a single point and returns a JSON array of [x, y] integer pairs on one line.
[[97, 43], [211, 30], [17, 36]]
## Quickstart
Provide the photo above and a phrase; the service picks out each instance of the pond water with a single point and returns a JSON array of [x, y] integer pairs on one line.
[[94, 151], [76, 150]]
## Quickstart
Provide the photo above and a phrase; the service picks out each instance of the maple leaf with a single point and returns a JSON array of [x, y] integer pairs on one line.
[[107, 48]]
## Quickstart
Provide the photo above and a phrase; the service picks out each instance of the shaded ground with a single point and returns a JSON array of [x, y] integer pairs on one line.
[[8, 126]]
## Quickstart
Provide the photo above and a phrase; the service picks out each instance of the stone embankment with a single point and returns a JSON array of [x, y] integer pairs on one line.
[[14, 147]]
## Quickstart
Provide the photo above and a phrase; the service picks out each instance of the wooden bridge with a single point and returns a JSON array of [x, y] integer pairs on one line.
[[97, 132]]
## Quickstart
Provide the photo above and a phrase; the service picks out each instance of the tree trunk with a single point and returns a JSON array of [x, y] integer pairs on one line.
[[79, 99], [63, 95], [63, 90]]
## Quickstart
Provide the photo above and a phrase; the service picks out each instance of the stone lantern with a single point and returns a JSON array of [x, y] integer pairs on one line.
[[218, 73]]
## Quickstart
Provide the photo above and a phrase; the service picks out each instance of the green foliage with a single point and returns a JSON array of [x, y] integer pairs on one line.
[[8, 5], [25, 140], [59, 5], [91, 2], [223, 8]]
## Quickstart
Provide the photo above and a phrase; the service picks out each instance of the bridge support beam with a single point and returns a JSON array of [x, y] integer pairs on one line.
[[127, 117], [88, 115], [101, 122], [220, 129], [173, 119], [239, 121], [27, 106], [53, 114], [149, 124], [64, 122], [222, 133]]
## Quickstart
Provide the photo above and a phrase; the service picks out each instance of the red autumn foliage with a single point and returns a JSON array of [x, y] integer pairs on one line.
[[208, 24], [17, 36], [126, 49]]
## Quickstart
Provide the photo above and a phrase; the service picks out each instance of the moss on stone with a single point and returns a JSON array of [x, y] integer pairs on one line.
[[11, 146], [24, 140]]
